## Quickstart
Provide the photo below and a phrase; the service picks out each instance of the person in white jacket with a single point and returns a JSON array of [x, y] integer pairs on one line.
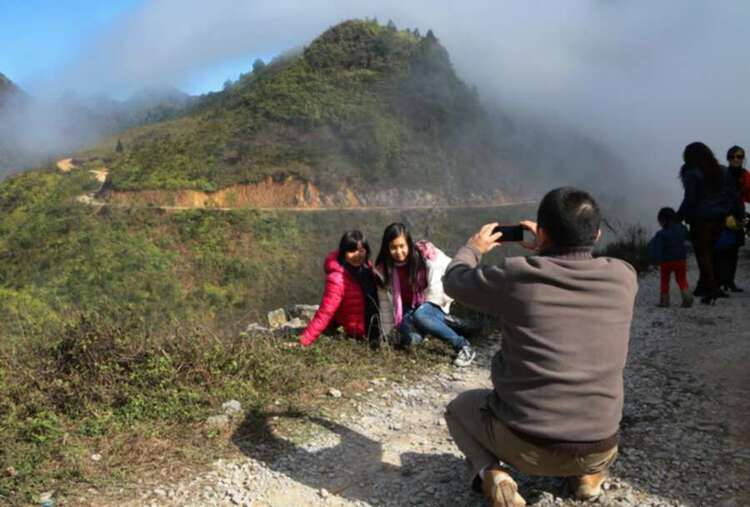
[[410, 295]]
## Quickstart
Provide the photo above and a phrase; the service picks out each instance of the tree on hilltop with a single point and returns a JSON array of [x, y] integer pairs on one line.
[[258, 66]]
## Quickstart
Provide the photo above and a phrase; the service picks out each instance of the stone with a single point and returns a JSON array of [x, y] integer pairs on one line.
[[256, 328], [231, 407], [96, 457], [294, 324], [277, 318], [334, 393], [324, 493], [10, 472], [218, 421], [304, 312]]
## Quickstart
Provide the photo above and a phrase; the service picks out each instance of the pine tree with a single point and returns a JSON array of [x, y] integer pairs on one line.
[[119, 148]]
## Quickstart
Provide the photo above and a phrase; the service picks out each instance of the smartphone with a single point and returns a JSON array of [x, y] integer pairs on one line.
[[510, 232]]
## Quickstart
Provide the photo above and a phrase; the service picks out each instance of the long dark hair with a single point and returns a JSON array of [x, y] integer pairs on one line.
[[349, 242], [700, 156], [415, 261]]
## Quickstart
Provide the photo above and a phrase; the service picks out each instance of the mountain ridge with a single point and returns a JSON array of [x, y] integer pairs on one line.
[[362, 108]]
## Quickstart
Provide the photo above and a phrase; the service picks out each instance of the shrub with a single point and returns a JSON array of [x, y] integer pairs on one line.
[[630, 246]]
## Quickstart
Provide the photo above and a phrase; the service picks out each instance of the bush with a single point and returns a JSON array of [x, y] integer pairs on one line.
[[630, 246]]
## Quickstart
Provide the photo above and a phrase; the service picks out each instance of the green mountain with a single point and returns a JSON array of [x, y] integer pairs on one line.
[[363, 108]]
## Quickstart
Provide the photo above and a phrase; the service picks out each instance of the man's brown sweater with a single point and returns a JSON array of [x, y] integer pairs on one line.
[[565, 321]]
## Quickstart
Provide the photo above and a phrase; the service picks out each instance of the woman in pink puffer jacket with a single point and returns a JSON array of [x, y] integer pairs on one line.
[[350, 296]]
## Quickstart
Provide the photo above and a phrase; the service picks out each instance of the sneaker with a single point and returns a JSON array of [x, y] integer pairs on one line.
[[465, 356], [588, 487], [501, 490]]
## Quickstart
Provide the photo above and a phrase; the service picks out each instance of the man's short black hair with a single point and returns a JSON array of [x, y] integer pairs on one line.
[[570, 217]]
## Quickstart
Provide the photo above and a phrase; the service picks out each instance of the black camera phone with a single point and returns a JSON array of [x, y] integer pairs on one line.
[[510, 232]]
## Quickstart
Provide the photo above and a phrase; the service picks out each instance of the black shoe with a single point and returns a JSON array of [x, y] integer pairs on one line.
[[721, 294], [733, 288], [708, 300], [699, 291]]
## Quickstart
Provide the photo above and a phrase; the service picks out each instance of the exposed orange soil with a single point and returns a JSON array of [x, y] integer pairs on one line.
[[289, 192], [65, 165]]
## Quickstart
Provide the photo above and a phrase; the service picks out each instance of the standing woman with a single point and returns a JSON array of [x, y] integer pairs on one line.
[[411, 296], [727, 259], [709, 198], [350, 296]]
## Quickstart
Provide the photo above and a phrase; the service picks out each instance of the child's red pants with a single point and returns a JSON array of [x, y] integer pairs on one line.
[[679, 268]]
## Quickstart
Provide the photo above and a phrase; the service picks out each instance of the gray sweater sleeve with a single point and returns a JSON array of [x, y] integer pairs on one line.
[[473, 285]]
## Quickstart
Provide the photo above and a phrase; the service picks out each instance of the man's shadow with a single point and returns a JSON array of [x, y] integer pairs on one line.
[[354, 467]]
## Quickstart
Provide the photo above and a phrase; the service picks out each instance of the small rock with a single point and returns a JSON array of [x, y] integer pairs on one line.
[[96, 457], [277, 318], [256, 328], [10, 472], [335, 393], [324, 493], [304, 312], [218, 421], [294, 324], [160, 492], [231, 407]]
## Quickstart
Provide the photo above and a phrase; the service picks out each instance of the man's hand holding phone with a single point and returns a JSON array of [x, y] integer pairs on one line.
[[494, 234], [486, 239]]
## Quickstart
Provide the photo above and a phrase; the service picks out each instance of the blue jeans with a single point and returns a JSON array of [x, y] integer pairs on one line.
[[426, 319]]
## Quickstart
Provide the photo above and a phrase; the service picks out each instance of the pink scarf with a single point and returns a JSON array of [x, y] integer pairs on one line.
[[428, 252]]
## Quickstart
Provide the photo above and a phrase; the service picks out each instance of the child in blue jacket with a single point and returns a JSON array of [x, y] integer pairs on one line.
[[667, 248]]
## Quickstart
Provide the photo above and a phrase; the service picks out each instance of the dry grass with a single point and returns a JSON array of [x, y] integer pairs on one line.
[[141, 401]]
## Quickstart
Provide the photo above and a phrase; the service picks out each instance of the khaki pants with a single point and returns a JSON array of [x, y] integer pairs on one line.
[[485, 440]]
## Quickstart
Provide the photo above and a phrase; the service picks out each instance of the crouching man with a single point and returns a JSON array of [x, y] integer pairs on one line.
[[557, 395]]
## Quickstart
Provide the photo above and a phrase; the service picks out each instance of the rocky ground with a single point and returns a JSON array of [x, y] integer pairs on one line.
[[685, 431]]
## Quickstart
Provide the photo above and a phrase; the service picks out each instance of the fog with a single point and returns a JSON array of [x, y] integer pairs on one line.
[[640, 78]]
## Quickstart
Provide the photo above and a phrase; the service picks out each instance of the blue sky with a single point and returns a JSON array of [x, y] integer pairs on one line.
[[38, 37]]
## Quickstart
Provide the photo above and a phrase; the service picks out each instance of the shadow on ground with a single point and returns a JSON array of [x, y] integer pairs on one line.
[[358, 468]]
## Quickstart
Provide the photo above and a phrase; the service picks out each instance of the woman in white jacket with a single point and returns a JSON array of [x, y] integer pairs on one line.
[[411, 296]]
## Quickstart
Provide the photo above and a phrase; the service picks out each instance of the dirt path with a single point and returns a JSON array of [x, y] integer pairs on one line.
[[685, 438], [91, 199]]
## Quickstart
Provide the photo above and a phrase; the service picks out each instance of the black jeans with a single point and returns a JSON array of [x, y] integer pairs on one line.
[[704, 235]]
